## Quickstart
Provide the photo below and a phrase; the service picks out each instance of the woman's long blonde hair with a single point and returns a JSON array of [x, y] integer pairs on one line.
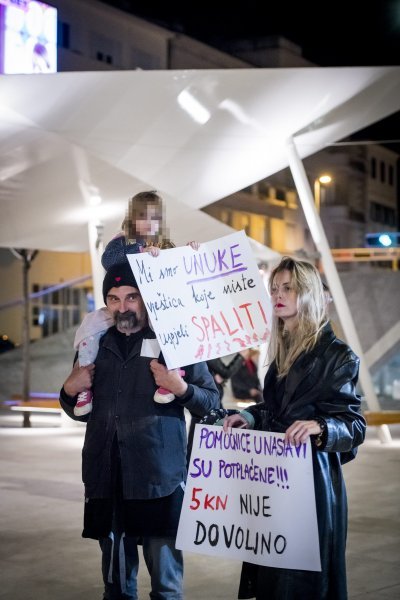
[[285, 346], [137, 207]]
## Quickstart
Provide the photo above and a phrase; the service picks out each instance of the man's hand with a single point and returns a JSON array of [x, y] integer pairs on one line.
[[80, 379], [170, 380]]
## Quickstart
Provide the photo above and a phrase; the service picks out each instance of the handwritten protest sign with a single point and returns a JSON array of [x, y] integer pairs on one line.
[[250, 496], [206, 303]]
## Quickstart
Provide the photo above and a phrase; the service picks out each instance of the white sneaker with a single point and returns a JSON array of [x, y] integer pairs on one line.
[[163, 396], [84, 403]]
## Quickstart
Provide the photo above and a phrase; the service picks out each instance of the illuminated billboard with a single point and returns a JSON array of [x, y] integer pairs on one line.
[[28, 37]]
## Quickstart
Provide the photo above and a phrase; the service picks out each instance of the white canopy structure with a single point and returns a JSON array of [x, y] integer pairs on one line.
[[75, 146], [68, 138]]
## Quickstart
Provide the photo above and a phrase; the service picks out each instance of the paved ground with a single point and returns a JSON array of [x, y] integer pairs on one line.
[[43, 557]]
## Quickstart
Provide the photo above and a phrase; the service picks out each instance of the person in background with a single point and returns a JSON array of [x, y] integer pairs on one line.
[[245, 382], [309, 393], [221, 372], [142, 231], [134, 452]]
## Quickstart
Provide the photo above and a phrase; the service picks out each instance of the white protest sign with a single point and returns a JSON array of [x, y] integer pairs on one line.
[[250, 496], [204, 303]]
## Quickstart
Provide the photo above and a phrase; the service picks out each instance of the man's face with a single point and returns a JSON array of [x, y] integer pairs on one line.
[[126, 306]]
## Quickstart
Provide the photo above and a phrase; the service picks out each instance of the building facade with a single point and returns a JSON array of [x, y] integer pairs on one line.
[[362, 197]]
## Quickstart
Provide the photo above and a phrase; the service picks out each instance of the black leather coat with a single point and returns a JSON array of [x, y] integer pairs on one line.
[[320, 383]]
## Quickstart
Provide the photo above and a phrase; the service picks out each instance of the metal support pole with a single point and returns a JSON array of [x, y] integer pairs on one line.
[[335, 285], [96, 250], [26, 342]]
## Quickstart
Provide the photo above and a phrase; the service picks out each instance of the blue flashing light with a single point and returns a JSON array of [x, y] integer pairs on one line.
[[383, 239]]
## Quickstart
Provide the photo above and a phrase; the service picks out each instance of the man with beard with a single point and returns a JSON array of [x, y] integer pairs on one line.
[[134, 453]]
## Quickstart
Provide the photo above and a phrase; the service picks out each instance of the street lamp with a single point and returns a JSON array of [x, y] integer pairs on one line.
[[324, 180]]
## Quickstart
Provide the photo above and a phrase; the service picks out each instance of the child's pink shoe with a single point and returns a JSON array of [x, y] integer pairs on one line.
[[163, 396], [84, 403]]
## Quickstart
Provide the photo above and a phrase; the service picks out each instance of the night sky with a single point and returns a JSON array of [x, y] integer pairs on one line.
[[336, 33]]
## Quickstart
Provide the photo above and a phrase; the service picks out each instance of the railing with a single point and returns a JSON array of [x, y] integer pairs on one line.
[[365, 254], [46, 291]]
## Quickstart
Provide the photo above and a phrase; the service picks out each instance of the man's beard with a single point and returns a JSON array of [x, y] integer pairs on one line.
[[125, 321]]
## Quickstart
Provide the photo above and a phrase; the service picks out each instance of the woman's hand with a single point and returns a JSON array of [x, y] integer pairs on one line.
[[300, 431], [235, 421]]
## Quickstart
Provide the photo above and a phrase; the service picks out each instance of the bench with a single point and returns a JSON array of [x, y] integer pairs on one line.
[[382, 417], [37, 403], [36, 406]]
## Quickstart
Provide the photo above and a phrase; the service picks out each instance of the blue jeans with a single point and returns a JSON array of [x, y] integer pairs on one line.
[[120, 565]]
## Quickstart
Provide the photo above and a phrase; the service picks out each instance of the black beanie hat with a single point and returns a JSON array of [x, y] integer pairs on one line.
[[117, 276]]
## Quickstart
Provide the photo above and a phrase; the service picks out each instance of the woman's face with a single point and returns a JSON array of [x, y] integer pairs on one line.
[[148, 222], [284, 298]]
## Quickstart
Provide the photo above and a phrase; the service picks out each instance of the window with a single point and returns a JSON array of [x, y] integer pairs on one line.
[[105, 49], [76, 293], [373, 168], [107, 58], [35, 316], [63, 35], [57, 310], [383, 171], [382, 214], [357, 165], [391, 175], [280, 194], [263, 189]]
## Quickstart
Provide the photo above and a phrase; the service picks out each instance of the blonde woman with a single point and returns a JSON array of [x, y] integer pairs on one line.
[[309, 392]]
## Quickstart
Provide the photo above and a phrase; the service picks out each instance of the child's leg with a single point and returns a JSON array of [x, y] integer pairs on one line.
[[87, 353], [88, 349]]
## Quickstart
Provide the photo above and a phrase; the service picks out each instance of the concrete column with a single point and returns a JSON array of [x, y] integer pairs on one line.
[[95, 232]]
